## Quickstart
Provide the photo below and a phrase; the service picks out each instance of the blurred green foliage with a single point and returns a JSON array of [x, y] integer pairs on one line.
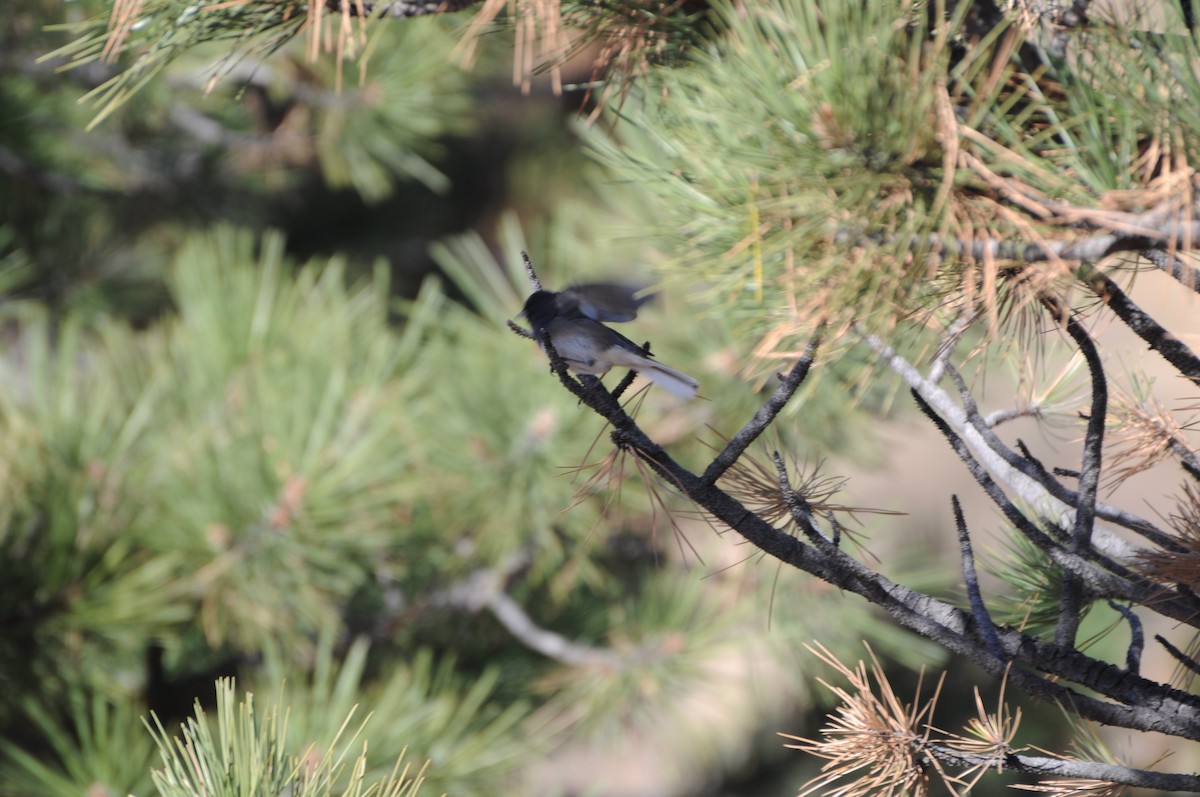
[[292, 451]]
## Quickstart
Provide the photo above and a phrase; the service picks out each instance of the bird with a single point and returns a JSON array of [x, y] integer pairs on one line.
[[572, 318]]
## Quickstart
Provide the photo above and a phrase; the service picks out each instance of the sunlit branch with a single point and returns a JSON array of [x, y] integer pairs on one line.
[[1173, 350]]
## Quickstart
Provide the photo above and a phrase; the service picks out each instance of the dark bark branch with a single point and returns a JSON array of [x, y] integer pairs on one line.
[[1028, 489], [1142, 704], [1071, 608], [1187, 661], [1066, 768], [1031, 469], [1137, 637], [399, 9], [520, 330], [1034, 470], [1187, 458], [1181, 272], [1159, 234], [764, 417], [1100, 580], [798, 506], [1111, 514], [1159, 339], [983, 620]]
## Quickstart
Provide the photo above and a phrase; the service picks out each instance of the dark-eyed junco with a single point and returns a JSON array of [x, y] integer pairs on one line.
[[572, 318]]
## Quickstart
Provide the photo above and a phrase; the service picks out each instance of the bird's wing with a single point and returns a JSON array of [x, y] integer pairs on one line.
[[602, 301]]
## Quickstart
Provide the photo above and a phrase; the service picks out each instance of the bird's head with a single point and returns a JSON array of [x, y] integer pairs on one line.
[[540, 308]]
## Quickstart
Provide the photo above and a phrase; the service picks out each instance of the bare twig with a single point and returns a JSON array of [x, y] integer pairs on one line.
[[797, 505], [1137, 637], [1187, 661], [1001, 462], [983, 620], [1070, 610], [520, 330], [1099, 580], [1069, 768], [1173, 350], [555, 646], [401, 9], [765, 415], [534, 282], [485, 589], [1179, 271]]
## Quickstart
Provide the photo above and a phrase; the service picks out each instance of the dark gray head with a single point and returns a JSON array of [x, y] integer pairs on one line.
[[540, 309]]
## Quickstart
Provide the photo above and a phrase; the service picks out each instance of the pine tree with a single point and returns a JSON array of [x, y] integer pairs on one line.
[[287, 472]]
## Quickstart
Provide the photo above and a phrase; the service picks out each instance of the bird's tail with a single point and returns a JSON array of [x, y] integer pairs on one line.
[[668, 378], [664, 376]]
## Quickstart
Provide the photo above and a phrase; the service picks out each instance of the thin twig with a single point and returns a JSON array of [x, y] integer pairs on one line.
[[1187, 661], [520, 330], [534, 282], [1097, 579], [1068, 768], [1000, 461], [983, 620], [1172, 349], [1187, 458], [1071, 608], [1137, 637], [401, 9], [485, 589], [555, 646], [797, 505], [1181, 272], [765, 415]]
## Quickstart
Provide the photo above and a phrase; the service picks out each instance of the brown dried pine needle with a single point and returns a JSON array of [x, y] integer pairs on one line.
[[755, 483], [1141, 435], [1179, 567], [873, 740]]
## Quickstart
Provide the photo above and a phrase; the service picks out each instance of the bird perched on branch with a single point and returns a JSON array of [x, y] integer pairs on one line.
[[572, 319]]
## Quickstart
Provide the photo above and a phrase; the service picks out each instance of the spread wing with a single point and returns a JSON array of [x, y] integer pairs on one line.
[[602, 301]]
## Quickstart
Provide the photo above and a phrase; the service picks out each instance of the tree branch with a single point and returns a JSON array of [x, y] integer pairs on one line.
[[1142, 704], [1137, 637], [1066, 768], [1187, 661], [1152, 232], [1181, 272], [1142, 324], [399, 9], [1070, 609], [983, 620], [764, 417], [485, 589], [1027, 488]]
